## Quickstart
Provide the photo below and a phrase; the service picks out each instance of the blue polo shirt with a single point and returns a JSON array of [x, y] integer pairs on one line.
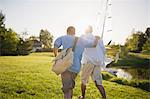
[[67, 41]]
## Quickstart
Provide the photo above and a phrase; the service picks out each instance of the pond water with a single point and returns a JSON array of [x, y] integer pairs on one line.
[[139, 73], [131, 73]]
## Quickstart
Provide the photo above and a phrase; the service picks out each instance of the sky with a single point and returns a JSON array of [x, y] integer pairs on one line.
[[57, 15]]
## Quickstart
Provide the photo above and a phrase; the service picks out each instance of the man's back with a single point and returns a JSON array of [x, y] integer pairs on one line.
[[65, 41]]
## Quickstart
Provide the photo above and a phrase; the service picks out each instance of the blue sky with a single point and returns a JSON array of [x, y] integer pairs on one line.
[[57, 15]]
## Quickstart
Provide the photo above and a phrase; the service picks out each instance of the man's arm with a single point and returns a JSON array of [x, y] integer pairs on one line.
[[97, 37], [55, 50], [57, 44]]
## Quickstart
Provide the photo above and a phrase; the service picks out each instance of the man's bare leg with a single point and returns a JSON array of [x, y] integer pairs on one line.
[[83, 88], [101, 90], [68, 95]]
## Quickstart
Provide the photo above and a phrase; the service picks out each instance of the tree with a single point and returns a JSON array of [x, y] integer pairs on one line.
[[147, 33], [33, 38], [46, 38], [137, 41], [141, 40], [132, 42], [9, 42], [8, 38], [2, 30], [24, 47], [146, 46]]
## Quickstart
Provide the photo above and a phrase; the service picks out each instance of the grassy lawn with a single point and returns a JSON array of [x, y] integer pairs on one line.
[[25, 77]]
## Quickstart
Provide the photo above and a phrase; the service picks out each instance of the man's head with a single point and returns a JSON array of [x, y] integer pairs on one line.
[[89, 29], [71, 30]]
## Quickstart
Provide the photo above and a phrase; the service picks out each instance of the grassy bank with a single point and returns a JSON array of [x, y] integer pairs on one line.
[[133, 60], [25, 77], [143, 84], [137, 64]]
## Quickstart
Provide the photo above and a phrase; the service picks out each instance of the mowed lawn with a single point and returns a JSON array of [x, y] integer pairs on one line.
[[30, 77]]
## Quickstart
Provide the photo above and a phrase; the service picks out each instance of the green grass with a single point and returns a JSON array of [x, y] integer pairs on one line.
[[30, 77]]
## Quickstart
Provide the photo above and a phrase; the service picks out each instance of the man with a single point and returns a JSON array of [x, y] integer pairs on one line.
[[89, 67], [68, 77]]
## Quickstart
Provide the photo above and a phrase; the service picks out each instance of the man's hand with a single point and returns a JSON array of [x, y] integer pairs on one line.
[[97, 37]]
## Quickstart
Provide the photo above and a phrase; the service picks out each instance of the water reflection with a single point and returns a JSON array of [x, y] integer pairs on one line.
[[139, 73], [130, 73], [120, 73]]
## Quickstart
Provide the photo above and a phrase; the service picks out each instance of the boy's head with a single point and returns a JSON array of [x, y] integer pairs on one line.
[[89, 29], [71, 30]]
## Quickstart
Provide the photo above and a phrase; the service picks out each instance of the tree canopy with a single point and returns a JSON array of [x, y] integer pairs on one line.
[[46, 38], [138, 41]]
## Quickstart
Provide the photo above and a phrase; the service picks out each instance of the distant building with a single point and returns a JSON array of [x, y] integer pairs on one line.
[[37, 45]]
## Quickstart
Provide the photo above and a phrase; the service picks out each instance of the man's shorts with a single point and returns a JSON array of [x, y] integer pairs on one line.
[[68, 80], [93, 71]]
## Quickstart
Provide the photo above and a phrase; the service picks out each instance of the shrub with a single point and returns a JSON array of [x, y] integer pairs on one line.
[[119, 81], [142, 84], [107, 76], [145, 84], [133, 83]]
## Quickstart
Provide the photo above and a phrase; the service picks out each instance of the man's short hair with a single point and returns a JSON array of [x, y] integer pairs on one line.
[[69, 29]]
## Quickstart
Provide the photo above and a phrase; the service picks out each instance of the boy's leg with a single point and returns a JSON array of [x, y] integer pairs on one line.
[[101, 90], [68, 82], [86, 72], [83, 88], [68, 94], [97, 78]]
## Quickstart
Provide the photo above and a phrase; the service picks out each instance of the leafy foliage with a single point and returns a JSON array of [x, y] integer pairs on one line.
[[46, 38], [132, 42], [146, 47], [24, 47], [10, 42], [138, 41]]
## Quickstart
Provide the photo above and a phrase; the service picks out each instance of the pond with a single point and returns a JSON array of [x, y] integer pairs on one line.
[[139, 73], [131, 73]]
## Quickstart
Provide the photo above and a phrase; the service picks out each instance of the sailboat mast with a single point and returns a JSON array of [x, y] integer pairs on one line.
[[104, 18]]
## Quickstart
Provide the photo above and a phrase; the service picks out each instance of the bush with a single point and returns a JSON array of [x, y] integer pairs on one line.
[[120, 81], [143, 84], [146, 47], [24, 47], [134, 83], [107, 76]]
